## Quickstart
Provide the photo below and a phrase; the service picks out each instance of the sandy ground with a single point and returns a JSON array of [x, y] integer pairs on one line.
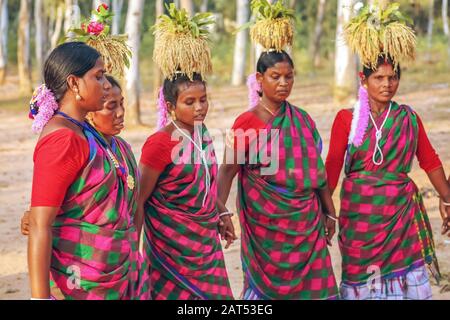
[[17, 143]]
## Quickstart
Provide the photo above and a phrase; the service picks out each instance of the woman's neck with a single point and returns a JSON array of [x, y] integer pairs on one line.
[[72, 111], [272, 105], [378, 107]]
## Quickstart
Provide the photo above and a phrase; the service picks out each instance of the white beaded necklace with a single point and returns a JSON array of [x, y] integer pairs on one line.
[[378, 135]]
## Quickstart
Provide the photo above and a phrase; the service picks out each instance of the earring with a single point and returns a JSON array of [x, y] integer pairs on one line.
[[77, 97], [173, 115]]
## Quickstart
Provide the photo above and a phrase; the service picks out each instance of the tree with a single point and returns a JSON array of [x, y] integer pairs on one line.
[[56, 23], [430, 28], [40, 35], [117, 6], [445, 17], [345, 62], [240, 48], [71, 15], [3, 39], [204, 6], [318, 31], [133, 29], [23, 48]]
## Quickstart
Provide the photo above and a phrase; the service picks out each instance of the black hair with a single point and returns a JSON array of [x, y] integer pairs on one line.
[[269, 59], [113, 81], [71, 58], [382, 59], [171, 88]]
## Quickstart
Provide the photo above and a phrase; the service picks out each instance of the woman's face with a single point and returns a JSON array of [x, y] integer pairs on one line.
[[382, 85], [94, 88], [192, 103], [277, 82], [110, 120]]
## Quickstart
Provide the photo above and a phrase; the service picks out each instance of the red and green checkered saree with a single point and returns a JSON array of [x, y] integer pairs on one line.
[[284, 251], [383, 222], [182, 241], [95, 246]]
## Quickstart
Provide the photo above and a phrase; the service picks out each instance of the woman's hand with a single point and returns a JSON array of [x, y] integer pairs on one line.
[[226, 230], [330, 229], [25, 223], [445, 214]]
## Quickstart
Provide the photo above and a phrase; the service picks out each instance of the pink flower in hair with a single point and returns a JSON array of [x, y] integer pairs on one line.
[[43, 106], [253, 88], [360, 121], [162, 110], [95, 28]]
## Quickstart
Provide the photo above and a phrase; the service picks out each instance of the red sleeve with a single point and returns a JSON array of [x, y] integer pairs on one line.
[[427, 156], [338, 146], [157, 151], [58, 159], [246, 121]]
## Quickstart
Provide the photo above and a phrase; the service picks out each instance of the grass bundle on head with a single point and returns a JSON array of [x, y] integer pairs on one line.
[[181, 43], [274, 26], [379, 31], [114, 50]]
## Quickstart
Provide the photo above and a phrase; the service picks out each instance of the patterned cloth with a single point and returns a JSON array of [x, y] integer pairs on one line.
[[284, 251], [383, 222], [95, 254], [182, 241], [415, 285]]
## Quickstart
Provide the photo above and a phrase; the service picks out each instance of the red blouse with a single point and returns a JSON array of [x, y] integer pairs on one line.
[[428, 159], [247, 120], [157, 151], [58, 159]]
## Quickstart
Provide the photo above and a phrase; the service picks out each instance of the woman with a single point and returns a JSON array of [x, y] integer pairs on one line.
[[287, 215], [81, 231], [178, 196], [383, 223]]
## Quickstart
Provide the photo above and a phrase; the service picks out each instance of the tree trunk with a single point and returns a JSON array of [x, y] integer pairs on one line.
[[58, 26], [72, 17], [345, 62], [188, 5], [318, 31], [445, 17], [292, 4], [40, 35], [117, 6], [240, 47], [133, 29], [204, 6], [157, 76], [430, 28], [23, 48], [3, 40]]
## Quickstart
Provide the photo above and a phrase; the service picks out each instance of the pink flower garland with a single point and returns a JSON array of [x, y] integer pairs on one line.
[[162, 110], [360, 119], [43, 106], [253, 88]]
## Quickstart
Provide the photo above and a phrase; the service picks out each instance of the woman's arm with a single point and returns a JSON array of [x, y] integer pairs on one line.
[[329, 211], [442, 186], [40, 250], [149, 178]]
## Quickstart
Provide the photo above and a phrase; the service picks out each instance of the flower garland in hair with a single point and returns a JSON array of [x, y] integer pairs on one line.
[[254, 87], [115, 51], [360, 120], [162, 110], [42, 107]]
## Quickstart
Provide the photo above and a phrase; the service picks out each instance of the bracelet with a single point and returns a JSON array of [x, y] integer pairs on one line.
[[446, 204], [38, 299], [332, 218], [226, 213]]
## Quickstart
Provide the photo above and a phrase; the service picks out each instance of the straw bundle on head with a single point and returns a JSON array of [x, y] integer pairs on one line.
[[181, 43], [114, 50], [378, 30], [274, 26]]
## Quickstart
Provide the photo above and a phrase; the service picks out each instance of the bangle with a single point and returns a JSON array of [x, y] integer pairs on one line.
[[38, 299], [332, 218], [226, 213], [446, 204]]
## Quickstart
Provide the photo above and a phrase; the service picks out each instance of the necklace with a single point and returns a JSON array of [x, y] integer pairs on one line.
[[378, 135], [267, 109]]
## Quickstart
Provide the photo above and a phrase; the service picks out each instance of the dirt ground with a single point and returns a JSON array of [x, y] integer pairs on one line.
[[432, 102]]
